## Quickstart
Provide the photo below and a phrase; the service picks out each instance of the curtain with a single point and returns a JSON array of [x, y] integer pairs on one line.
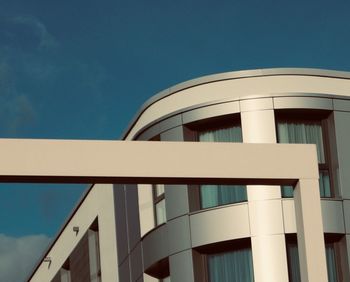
[[229, 134], [302, 133], [216, 195], [331, 264], [293, 262], [305, 133], [231, 266]]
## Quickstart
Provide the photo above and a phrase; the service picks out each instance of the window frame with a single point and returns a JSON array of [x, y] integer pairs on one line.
[[325, 119], [156, 200], [191, 133], [201, 255]]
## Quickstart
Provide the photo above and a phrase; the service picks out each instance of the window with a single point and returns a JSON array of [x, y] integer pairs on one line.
[[224, 262], [159, 204], [235, 265], [309, 131], [94, 256], [293, 259], [217, 195], [217, 129], [333, 257]]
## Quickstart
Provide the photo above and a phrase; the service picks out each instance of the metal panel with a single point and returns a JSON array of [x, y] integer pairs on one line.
[[149, 133], [176, 199], [342, 132], [210, 111], [341, 105], [265, 217], [136, 266], [132, 215], [174, 134], [124, 272], [302, 103], [155, 246], [179, 234], [332, 216], [171, 122], [269, 258], [120, 222], [181, 267], [211, 226], [256, 104]]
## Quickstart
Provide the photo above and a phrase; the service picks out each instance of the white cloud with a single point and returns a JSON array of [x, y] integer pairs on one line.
[[19, 255]]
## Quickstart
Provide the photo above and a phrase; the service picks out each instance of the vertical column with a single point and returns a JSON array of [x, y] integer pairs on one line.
[[264, 202], [312, 257]]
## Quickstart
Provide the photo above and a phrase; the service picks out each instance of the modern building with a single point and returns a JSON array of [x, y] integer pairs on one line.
[[206, 232]]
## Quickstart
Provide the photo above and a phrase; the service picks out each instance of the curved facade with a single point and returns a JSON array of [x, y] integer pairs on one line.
[[217, 232], [186, 230]]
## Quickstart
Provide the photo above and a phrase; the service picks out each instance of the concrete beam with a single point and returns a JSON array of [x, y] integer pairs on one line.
[[81, 161]]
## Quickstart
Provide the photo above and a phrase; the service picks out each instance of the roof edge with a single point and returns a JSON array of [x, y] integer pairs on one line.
[[232, 75]]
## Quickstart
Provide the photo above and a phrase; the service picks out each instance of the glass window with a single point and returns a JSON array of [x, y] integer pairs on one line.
[[159, 204], [217, 195], [94, 256], [293, 261], [331, 262], [306, 132], [230, 266]]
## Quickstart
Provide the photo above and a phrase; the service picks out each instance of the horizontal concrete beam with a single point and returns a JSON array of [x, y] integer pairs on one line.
[[82, 161]]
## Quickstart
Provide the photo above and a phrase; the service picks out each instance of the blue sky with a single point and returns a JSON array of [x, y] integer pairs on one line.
[[81, 69]]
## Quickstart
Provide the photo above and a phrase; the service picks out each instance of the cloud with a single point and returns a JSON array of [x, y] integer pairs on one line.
[[19, 255], [39, 30], [21, 111], [16, 109]]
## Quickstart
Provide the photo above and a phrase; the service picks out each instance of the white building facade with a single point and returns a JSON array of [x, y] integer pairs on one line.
[[217, 231]]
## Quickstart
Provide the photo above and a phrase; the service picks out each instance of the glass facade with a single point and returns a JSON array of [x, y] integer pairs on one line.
[[217, 195]]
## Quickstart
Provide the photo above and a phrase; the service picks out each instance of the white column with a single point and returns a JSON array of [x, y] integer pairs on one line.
[[264, 202]]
